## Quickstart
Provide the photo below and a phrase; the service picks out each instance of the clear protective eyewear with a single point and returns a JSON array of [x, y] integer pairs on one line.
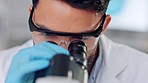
[[89, 38]]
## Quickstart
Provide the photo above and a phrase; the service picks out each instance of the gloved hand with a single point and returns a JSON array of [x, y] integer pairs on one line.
[[32, 59]]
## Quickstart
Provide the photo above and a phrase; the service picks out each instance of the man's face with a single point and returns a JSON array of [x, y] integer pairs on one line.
[[58, 16]]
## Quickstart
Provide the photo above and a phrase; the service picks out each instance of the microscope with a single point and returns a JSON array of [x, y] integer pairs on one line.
[[66, 69]]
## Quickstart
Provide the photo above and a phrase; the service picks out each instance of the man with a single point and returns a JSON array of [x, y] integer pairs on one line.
[[63, 21]]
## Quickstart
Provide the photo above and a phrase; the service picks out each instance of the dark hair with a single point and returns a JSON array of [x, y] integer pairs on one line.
[[93, 5]]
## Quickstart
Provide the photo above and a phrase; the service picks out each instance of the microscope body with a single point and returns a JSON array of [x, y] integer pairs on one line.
[[66, 69]]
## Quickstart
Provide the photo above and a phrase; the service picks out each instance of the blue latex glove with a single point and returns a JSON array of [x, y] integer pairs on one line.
[[32, 59]]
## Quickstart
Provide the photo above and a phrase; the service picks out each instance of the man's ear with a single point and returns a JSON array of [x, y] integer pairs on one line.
[[30, 8], [106, 23]]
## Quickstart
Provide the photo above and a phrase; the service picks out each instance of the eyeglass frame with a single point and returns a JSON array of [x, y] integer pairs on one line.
[[94, 33]]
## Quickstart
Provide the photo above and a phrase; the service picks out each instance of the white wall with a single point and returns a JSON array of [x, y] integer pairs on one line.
[[130, 15], [4, 23], [15, 29]]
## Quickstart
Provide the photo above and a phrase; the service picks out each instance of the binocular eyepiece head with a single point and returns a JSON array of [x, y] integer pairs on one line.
[[78, 50]]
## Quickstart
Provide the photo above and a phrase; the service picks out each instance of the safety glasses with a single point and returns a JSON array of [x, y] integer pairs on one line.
[[94, 33]]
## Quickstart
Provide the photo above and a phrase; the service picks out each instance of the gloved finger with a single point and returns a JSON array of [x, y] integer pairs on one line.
[[44, 50], [30, 54], [23, 59], [32, 67], [17, 73], [33, 54], [56, 48], [17, 62]]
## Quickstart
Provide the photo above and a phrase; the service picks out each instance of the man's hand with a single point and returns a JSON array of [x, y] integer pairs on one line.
[[32, 59]]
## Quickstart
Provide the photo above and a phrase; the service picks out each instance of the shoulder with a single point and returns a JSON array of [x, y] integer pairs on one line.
[[137, 65], [122, 50], [132, 63], [133, 54]]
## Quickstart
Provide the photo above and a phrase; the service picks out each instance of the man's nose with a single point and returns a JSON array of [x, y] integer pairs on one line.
[[64, 42], [64, 46]]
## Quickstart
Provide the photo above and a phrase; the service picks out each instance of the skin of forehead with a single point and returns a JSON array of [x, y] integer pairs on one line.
[[64, 17]]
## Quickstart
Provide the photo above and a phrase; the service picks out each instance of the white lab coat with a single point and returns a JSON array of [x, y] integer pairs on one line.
[[121, 64]]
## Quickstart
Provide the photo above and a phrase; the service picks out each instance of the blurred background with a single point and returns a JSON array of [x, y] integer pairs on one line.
[[129, 23]]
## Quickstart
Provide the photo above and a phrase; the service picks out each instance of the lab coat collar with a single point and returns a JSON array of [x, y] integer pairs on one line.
[[113, 62]]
